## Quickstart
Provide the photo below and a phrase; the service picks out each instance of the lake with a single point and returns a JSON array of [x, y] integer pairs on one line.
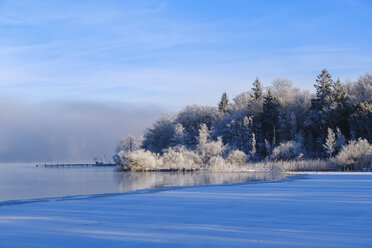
[[25, 181]]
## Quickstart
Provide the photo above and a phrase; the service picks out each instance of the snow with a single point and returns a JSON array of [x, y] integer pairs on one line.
[[325, 210]]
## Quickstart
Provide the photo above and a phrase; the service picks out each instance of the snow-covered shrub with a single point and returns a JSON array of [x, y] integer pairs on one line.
[[217, 163], [237, 157], [305, 165], [211, 149], [125, 145], [355, 155], [206, 148], [287, 151], [180, 158], [294, 165], [139, 160]]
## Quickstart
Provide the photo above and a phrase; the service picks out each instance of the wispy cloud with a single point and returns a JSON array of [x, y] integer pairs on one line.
[[172, 52]]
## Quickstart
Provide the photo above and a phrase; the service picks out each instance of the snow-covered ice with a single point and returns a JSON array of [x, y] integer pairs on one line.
[[304, 211]]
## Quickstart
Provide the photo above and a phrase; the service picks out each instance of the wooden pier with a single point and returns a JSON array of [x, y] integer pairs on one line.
[[77, 165]]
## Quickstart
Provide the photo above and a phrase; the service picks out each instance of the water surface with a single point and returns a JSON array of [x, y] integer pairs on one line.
[[20, 182]]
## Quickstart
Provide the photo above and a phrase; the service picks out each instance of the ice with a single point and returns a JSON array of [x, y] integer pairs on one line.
[[325, 210]]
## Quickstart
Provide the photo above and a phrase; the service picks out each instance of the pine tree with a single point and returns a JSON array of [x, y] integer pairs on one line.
[[330, 142], [257, 91], [222, 106], [339, 94], [270, 117], [339, 109], [319, 116], [323, 89]]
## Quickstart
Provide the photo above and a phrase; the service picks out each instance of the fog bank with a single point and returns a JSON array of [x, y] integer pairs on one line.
[[57, 131]]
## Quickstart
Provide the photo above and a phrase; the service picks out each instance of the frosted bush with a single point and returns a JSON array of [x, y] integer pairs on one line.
[[287, 151], [303, 165], [180, 158], [217, 163], [237, 157], [355, 155], [139, 160], [211, 149]]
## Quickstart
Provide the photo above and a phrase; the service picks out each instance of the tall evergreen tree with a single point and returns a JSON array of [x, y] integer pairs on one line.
[[323, 89], [257, 91], [318, 119], [222, 105], [339, 109], [270, 117]]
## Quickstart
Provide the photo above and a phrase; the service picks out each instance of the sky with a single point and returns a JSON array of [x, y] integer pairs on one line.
[[159, 56]]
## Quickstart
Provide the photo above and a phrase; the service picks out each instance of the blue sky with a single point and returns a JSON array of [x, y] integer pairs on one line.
[[173, 53]]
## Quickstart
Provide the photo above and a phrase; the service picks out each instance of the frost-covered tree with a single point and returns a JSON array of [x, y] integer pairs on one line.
[[206, 148], [223, 104], [253, 145], [192, 117], [128, 144], [241, 102], [179, 135], [204, 134], [284, 123], [160, 135], [330, 142], [361, 90], [282, 89]]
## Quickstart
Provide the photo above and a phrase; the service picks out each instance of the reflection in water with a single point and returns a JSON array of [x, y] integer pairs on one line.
[[29, 182], [130, 181]]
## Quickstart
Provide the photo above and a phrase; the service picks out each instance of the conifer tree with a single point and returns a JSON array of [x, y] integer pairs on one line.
[[339, 109], [222, 106], [339, 94], [270, 117], [257, 91], [319, 116], [323, 89]]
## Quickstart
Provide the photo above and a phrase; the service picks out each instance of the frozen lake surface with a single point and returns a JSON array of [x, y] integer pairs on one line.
[[305, 211], [22, 182]]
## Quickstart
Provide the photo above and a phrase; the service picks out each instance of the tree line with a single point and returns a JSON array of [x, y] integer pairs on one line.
[[279, 122]]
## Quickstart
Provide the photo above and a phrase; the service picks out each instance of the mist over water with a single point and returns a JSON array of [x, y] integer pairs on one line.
[[57, 131]]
